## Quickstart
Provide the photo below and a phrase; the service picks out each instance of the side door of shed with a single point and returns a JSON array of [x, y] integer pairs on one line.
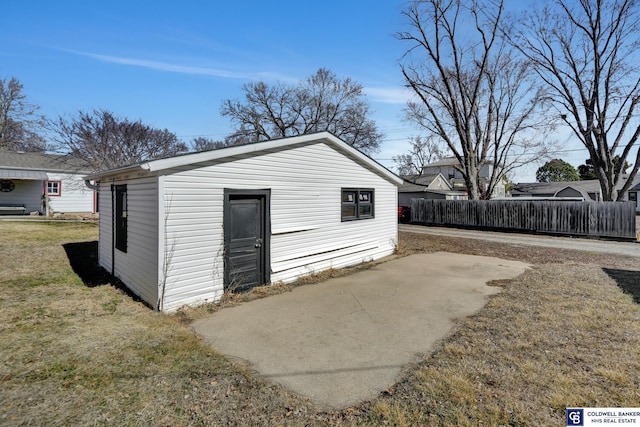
[[246, 235]]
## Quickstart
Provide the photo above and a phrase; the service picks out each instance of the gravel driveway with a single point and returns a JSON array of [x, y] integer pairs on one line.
[[574, 243]]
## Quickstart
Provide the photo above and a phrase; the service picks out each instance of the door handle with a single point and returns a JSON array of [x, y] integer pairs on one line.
[[258, 243]]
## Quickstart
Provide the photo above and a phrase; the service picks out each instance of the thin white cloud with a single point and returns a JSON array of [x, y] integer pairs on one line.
[[178, 68], [389, 95]]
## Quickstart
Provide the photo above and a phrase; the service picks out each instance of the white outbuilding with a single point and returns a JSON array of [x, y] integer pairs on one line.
[[183, 230], [45, 184]]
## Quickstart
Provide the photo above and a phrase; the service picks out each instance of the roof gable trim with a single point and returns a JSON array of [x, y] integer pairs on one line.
[[194, 158]]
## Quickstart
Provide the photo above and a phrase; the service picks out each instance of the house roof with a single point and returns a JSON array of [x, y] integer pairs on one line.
[[450, 161], [551, 188], [417, 183], [17, 163], [255, 149], [22, 174], [428, 190], [445, 161]]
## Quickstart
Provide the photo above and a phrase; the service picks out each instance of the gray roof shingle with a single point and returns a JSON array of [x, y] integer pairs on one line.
[[42, 162], [414, 183]]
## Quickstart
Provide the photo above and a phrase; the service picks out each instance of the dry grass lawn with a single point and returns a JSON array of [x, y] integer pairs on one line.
[[566, 333]]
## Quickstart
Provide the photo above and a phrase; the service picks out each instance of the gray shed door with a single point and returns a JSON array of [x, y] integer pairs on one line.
[[245, 217]]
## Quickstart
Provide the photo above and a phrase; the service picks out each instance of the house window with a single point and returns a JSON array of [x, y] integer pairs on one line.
[[54, 188], [357, 204], [120, 220], [633, 196]]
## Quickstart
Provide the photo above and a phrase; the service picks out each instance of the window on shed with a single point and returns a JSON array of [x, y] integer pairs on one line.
[[633, 196], [121, 214], [53, 188], [357, 204]]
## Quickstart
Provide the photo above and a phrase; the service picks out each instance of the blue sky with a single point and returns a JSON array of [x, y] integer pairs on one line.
[[171, 64]]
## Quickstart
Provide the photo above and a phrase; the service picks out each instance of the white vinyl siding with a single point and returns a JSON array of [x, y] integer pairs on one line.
[[25, 192], [193, 242], [105, 221], [307, 232], [439, 184], [138, 267], [74, 196]]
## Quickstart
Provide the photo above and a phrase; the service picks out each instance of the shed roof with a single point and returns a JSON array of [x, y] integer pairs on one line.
[[257, 148], [584, 193]]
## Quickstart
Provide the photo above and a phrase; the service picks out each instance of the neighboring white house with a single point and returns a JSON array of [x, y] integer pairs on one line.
[[184, 230], [449, 167], [43, 183], [427, 187]]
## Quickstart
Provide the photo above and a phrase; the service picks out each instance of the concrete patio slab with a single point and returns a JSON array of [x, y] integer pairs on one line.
[[345, 340]]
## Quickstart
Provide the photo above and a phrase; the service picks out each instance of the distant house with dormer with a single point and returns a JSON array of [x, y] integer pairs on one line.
[[427, 187], [449, 168]]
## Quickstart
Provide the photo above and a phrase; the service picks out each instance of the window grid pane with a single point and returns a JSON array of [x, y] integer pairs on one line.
[[357, 204], [364, 211], [348, 197], [348, 211], [53, 188]]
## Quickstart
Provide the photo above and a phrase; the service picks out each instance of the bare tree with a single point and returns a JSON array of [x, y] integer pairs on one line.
[[202, 143], [322, 102], [105, 141], [424, 150], [586, 170], [472, 91], [20, 126], [586, 53]]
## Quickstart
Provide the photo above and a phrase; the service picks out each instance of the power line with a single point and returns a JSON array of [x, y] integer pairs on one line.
[[384, 130]]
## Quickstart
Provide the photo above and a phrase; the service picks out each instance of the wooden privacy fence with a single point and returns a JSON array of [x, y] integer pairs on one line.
[[598, 219]]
